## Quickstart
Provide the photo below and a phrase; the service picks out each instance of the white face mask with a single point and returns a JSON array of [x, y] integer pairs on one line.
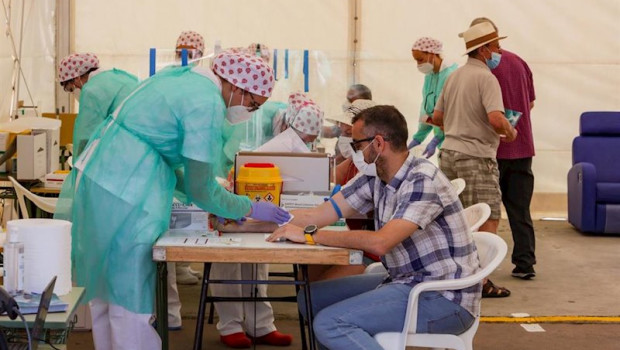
[[237, 114], [344, 145], [362, 166], [345, 105], [426, 67], [76, 93]]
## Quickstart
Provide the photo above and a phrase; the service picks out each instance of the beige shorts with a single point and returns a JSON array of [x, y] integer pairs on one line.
[[481, 177]]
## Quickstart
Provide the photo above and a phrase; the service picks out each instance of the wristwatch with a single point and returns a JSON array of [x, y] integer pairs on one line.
[[309, 231]]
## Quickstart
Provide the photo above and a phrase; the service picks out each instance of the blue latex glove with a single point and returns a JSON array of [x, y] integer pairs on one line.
[[412, 144], [266, 211], [430, 149]]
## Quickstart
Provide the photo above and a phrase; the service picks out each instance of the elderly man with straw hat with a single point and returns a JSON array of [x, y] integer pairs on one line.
[[471, 110]]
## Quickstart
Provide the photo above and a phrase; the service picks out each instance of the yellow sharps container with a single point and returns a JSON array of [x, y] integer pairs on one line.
[[260, 182]]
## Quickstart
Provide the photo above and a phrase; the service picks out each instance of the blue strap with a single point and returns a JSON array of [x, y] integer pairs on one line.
[[151, 62], [275, 64], [336, 207], [306, 85], [286, 64], [183, 57]]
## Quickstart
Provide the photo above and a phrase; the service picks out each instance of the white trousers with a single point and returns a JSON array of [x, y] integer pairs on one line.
[[116, 328], [174, 302], [239, 316]]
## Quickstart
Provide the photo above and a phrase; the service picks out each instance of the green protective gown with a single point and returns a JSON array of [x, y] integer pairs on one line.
[[249, 135], [165, 135], [433, 83], [98, 99]]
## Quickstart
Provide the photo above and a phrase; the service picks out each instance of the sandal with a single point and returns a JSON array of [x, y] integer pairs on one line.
[[490, 290]]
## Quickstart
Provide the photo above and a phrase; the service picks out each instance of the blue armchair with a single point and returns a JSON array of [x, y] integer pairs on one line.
[[594, 179]]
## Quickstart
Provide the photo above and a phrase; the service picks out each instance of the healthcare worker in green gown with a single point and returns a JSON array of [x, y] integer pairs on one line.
[[98, 91], [194, 43], [427, 52], [164, 138]]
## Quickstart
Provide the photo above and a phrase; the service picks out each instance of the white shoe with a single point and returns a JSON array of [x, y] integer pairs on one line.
[[198, 274], [186, 278]]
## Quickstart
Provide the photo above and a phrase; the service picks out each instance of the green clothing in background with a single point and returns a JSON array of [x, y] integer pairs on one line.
[[249, 135], [99, 98], [119, 193], [433, 83]]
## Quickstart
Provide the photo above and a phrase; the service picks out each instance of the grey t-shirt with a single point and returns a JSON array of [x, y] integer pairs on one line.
[[470, 93]]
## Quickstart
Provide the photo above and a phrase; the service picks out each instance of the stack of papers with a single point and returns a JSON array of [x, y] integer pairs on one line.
[[29, 303]]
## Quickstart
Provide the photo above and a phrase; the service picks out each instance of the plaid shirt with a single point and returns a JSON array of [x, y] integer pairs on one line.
[[442, 248]]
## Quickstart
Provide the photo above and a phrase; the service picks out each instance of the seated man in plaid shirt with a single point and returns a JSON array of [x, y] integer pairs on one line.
[[421, 235]]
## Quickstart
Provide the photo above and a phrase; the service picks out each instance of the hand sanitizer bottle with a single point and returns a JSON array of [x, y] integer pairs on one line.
[[14, 263]]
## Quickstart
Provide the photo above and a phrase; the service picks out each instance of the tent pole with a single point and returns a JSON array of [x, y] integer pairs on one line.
[[355, 9]]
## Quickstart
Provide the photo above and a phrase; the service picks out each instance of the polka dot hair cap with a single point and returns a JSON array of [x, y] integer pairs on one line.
[[191, 39], [76, 65], [248, 72], [428, 44], [303, 114]]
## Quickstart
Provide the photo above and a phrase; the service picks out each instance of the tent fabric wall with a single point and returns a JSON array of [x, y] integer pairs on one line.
[[571, 47], [37, 55]]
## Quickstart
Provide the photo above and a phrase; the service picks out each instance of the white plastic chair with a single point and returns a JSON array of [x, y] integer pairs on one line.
[[459, 185], [376, 267], [46, 204], [477, 215], [491, 250]]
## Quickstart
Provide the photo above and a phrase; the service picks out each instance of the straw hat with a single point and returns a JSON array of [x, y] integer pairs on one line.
[[479, 35], [354, 109]]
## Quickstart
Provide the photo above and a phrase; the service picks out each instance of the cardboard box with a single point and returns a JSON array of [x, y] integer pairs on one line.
[[31, 156], [66, 128], [53, 148], [56, 179], [188, 217], [4, 144]]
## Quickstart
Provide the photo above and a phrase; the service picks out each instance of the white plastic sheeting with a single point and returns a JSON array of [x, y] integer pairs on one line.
[[573, 49], [37, 54]]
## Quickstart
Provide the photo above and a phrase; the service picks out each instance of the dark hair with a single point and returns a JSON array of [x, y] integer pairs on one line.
[[63, 83], [474, 53], [386, 121], [361, 91]]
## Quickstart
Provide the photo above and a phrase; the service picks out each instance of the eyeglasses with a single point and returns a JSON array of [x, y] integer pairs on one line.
[[355, 142], [69, 85], [253, 104]]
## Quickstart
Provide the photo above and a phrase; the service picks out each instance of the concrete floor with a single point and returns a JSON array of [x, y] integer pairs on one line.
[[577, 278]]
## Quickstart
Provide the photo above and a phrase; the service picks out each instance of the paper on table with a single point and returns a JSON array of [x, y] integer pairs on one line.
[[29, 303], [223, 242]]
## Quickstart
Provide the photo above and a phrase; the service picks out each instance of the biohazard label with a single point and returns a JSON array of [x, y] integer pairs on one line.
[[259, 187]]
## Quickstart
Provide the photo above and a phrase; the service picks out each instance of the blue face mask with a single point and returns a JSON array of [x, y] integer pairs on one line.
[[494, 61]]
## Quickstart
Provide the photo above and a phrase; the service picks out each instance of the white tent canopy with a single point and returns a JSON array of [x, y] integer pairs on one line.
[[573, 49]]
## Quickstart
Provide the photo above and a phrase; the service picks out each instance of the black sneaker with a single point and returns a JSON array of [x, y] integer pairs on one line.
[[524, 274]]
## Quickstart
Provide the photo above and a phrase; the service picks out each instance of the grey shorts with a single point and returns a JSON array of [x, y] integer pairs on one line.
[[481, 177]]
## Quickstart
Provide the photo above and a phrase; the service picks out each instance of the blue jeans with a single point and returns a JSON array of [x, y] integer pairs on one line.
[[349, 311]]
